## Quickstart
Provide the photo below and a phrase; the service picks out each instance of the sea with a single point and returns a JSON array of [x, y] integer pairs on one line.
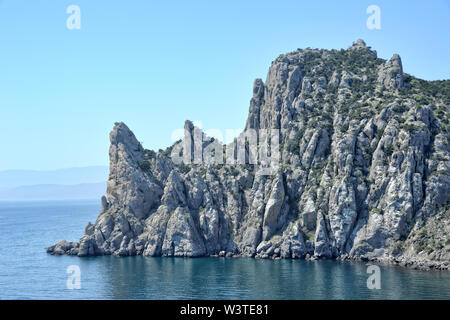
[[28, 272]]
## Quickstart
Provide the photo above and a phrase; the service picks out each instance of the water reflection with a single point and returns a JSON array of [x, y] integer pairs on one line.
[[28, 272], [221, 278]]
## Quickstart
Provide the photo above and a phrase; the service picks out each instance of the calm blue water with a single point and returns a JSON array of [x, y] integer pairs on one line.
[[27, 272]]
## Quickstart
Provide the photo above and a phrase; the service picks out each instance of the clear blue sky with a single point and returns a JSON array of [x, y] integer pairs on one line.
[[153, 64]]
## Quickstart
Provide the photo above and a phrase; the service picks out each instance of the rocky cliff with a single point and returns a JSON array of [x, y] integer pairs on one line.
[[363, 173]]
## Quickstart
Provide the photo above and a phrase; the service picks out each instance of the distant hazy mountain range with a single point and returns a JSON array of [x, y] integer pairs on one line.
[[71, 183]]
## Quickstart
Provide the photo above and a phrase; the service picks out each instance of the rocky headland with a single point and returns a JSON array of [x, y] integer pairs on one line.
[[363, 174]]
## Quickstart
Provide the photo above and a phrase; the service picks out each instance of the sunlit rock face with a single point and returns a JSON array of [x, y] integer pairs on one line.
[[363, 173]]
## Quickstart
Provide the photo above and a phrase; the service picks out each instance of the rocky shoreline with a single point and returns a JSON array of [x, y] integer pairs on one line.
[[63, 248]]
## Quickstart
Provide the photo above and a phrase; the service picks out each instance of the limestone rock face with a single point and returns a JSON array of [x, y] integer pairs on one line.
[[363, 173], [391, 73]]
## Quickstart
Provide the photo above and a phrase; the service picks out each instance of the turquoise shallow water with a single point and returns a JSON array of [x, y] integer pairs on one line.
[[27, 272]]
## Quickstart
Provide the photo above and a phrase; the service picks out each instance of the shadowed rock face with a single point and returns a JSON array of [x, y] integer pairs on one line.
[[365, 173]]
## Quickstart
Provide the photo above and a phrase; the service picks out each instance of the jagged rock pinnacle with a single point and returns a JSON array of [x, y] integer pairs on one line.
[[360, 43]]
